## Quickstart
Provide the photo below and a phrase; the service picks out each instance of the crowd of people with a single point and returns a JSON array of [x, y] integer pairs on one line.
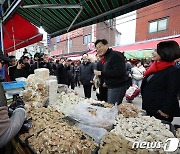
[[111, 75]]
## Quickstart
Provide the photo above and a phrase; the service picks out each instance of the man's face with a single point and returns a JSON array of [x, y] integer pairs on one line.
[[46, 58], [13, 61], [101, 49], [1, 64], [26, 60], [61, 61], [85, 58]]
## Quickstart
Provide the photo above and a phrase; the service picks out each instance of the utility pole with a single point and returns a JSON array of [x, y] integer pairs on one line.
[[68, 43]]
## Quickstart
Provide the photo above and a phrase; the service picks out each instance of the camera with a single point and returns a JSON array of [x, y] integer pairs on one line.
[[38, 56], [21, 61]]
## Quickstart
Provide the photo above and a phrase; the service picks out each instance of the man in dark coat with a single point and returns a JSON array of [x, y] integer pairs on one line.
[[23, 68], [62, 72], [114, 71], [86, 75]]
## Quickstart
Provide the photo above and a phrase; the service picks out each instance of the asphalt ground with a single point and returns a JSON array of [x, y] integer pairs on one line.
[[137, 101]]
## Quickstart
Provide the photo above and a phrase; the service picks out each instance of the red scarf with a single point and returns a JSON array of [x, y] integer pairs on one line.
[[157, 66], [103, 60]]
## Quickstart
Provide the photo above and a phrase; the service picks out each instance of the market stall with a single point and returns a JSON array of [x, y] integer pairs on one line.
[[63, 122]]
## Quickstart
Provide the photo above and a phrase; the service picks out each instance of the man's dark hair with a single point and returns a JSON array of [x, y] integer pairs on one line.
[[103, 41], [62, 58], [26, 57], [69, 60], [168, 50]]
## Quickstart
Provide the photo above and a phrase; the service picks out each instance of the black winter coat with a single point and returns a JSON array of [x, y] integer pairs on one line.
[[86, 73], [160, 92], [62, 74], [114, 69], [99, 67]]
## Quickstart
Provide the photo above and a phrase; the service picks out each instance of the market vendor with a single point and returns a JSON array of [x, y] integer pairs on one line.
[[9, 126]]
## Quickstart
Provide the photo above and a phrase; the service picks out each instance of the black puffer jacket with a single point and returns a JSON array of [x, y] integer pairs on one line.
[[86, 73], [62, 74], [114, 69]]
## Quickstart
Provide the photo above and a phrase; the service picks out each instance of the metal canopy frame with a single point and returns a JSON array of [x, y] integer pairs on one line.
[[59, 17]]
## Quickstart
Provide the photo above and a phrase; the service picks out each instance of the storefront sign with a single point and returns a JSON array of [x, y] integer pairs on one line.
[[73, 34]]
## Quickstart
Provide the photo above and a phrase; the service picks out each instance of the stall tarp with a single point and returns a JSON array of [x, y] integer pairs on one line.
[[150, 44], [138, 54], [19, 32]]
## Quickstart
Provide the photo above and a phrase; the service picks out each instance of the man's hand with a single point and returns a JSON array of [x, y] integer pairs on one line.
[[163, 114], [91, 82], [97, 73]]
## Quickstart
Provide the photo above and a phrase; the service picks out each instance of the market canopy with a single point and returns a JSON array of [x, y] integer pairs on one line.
[[18, 33], [138, 54], [59, 16]]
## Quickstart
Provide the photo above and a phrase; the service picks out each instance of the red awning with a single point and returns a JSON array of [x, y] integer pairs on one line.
[[144, 45], [18, 33]]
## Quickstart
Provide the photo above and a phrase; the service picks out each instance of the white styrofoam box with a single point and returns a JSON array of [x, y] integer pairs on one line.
[[42, 73]]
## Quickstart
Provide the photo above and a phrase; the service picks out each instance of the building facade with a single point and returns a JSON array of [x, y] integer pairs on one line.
[[159, 20], [83, 39]]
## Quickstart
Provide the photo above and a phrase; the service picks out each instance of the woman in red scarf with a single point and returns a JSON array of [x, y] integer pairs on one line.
[[161, 83]]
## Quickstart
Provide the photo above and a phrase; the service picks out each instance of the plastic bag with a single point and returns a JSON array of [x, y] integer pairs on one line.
[[95, 132], [132, 92], [94, 115]]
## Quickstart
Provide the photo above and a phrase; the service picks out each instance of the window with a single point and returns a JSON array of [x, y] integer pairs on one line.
[[58, 39], [158, 25], [87, 39], [111, 23], [54, 47], [70, 43]]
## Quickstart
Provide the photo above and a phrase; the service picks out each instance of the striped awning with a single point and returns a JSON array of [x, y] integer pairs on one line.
[[56, 21]]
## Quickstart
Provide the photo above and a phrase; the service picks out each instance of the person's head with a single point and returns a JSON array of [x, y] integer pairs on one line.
[[13, 60], [62, 60], [101, 46], [166, 51], [39, 57], [26, 60], [46, 58], [3, 59], [138, 63], [85, 57], [98, 57], [68, 62], [75, 63]]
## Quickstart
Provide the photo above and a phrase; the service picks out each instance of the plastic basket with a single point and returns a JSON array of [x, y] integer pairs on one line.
[[13, 85]]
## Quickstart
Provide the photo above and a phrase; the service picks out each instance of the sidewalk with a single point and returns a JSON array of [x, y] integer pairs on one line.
[[137, 101]]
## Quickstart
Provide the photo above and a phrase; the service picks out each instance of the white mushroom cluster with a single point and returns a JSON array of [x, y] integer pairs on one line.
[[142, 128], [66, 102]]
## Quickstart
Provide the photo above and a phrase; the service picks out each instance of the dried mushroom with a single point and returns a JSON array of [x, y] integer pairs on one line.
[[116, 144], [62, 138], [41, 118], [128, 110], [178, 133]]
